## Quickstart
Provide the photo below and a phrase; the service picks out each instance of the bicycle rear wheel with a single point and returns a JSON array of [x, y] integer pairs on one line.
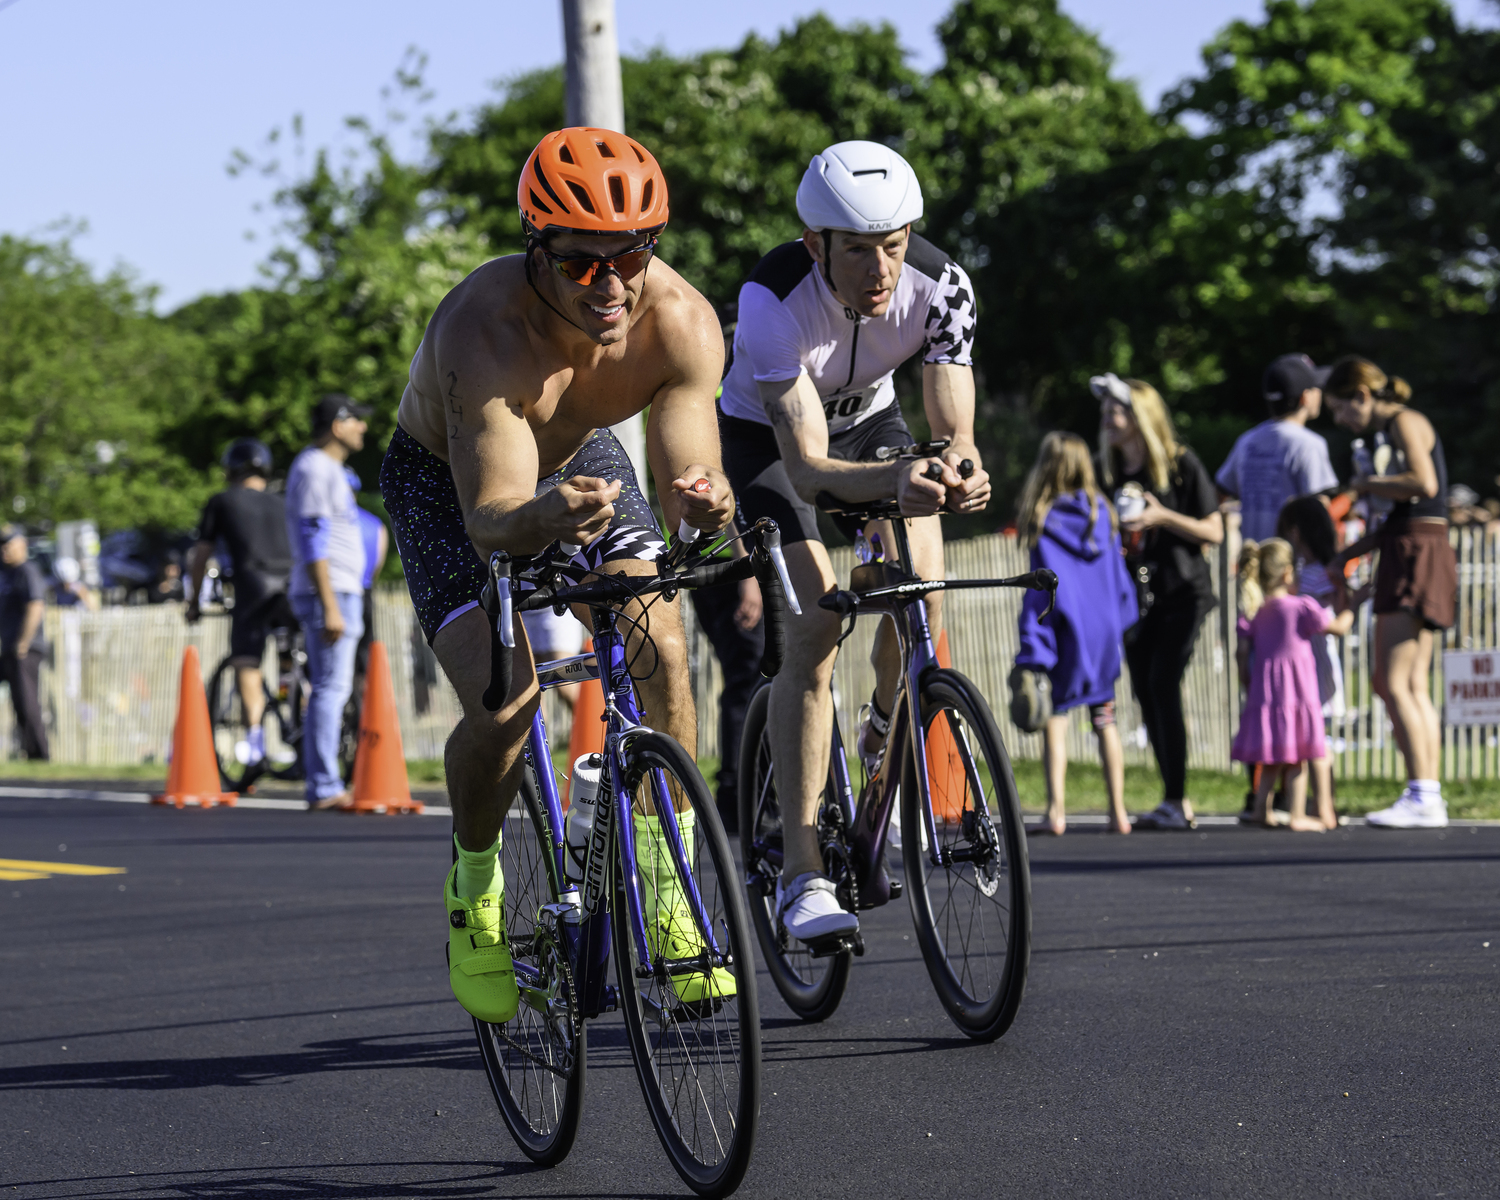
[[972, 908], [231, 728], [812, 987], [535, 1061], [695, 1040]]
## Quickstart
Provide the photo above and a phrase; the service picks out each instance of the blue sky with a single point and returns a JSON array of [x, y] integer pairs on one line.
[[124, 116]]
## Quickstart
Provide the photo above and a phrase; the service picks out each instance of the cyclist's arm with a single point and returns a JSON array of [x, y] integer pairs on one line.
[[30, 623], [682, 431], [802, 434], [948, 397], [197, 568], [493, 454]]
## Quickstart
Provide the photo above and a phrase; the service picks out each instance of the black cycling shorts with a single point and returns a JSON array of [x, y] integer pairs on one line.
[[752, 460], [444, 573], [251, 624]]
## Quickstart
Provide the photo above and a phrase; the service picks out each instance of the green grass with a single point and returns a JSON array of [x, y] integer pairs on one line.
[[1210, 791], [21, 769], [1224, 791]]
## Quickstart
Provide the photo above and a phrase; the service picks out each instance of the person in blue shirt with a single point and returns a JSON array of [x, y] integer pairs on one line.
[[327, 585], [1071, 529], [377, 541]]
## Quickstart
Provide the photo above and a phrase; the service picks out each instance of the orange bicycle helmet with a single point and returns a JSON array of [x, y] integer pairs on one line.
[[591, 181]]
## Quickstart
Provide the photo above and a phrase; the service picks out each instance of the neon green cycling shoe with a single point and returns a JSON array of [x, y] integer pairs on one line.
[[671, 931], [480, 971]]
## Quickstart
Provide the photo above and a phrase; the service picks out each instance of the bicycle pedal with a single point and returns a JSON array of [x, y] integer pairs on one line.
[[836, 944]]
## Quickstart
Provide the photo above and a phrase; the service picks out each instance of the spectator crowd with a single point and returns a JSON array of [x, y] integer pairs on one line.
[[1124, 525]]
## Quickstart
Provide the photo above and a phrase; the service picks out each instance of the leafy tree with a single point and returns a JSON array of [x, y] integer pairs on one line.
[[369, 255], [96, 393]]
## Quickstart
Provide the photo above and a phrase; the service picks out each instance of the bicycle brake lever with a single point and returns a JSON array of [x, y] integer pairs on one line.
[[770, 540]]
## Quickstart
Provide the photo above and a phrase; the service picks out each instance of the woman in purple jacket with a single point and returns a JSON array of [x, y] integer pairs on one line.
[[1071, 530]]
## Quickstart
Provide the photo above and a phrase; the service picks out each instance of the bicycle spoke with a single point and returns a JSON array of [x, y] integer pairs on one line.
[[972, 906], [694, 1032]]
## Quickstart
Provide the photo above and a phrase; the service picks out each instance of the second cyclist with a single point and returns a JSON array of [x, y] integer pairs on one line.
[[823, 324]]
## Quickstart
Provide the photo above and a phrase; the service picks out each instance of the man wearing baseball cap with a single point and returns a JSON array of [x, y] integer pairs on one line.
[[21, 644], [327, 584], [1281, 458]]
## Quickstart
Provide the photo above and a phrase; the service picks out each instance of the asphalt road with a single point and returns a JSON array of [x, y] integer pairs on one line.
[[258, 1007]]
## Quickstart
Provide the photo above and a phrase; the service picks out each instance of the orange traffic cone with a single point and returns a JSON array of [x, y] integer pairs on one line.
[[380, 783], [588, 720], [193, 777], [945, 770]]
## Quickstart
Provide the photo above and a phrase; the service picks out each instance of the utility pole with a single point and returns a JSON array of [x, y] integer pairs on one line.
[[596, 99]]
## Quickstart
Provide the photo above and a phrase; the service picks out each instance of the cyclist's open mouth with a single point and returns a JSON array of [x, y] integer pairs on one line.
[[608, 313]]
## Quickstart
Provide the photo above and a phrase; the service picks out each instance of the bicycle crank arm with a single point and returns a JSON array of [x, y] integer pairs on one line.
[[829, 947]]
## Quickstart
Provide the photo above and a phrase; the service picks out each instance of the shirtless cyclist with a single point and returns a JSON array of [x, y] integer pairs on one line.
[[503, 443], [823, 324]]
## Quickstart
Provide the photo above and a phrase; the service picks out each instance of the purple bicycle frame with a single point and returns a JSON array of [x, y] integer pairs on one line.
[[591, 953]]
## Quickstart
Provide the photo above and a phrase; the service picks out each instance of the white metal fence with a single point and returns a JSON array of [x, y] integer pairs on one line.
[[109, 693]]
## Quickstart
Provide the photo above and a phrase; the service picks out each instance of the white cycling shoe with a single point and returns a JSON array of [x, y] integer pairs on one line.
[[809, 908], [1411, 812]]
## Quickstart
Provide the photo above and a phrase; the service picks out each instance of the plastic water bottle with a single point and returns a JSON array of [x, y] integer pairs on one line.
[[862, 550], [583, 794]]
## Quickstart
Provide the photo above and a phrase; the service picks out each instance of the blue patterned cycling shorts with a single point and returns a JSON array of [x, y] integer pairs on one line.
[[444, 573]]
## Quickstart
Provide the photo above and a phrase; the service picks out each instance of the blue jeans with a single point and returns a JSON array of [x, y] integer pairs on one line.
[[330, 671]]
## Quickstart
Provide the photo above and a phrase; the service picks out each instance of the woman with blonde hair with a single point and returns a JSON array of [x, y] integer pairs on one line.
[[1416, 579], [1281, 727], [1071, 530], [1169, 510]]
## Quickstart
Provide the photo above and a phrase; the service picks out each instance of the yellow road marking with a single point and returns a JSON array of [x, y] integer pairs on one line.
[[17, 868]]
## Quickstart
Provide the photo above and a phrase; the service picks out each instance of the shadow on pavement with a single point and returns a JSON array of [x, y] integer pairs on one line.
[[253, 1183], [158, 1074]]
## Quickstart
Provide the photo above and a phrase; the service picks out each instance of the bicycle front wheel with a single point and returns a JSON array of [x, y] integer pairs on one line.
[[535, 1061], [971, 893], [694, 1033], [812, 987]]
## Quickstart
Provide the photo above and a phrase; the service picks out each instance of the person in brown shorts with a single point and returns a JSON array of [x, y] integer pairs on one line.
[[1416, 579]]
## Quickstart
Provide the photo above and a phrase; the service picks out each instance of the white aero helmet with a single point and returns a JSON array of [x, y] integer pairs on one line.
[[860, 187]]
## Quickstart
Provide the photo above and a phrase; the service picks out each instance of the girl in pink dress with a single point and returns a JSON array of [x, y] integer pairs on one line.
[[1281, 728]]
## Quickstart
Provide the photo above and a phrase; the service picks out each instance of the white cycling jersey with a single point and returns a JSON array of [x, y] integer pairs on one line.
[[790, 323]]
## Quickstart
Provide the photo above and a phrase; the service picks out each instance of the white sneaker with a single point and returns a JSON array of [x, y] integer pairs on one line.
[[809, 908], [1411, 812]]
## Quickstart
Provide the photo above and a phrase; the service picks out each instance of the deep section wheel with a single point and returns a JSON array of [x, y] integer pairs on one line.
[[811, 986], [971, 892], [689, 1007]]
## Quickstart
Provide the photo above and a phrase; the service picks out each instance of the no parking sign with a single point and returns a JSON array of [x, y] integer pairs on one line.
[[1471, 687]]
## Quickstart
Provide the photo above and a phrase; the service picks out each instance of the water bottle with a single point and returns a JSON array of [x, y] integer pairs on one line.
[[583, 792], [861, 547]]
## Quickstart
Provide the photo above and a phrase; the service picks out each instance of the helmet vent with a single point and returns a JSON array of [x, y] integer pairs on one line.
[[541, 176], [604, 150], [646, 194], [564, 153], [537, 200], [617, 192], [581, 196], [638, 153], [873, 171]]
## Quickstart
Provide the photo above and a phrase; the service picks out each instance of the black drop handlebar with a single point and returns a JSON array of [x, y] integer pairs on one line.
[[764, 561]]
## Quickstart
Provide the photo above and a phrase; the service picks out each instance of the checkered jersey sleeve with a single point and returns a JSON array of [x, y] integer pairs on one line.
[[950, 319]]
